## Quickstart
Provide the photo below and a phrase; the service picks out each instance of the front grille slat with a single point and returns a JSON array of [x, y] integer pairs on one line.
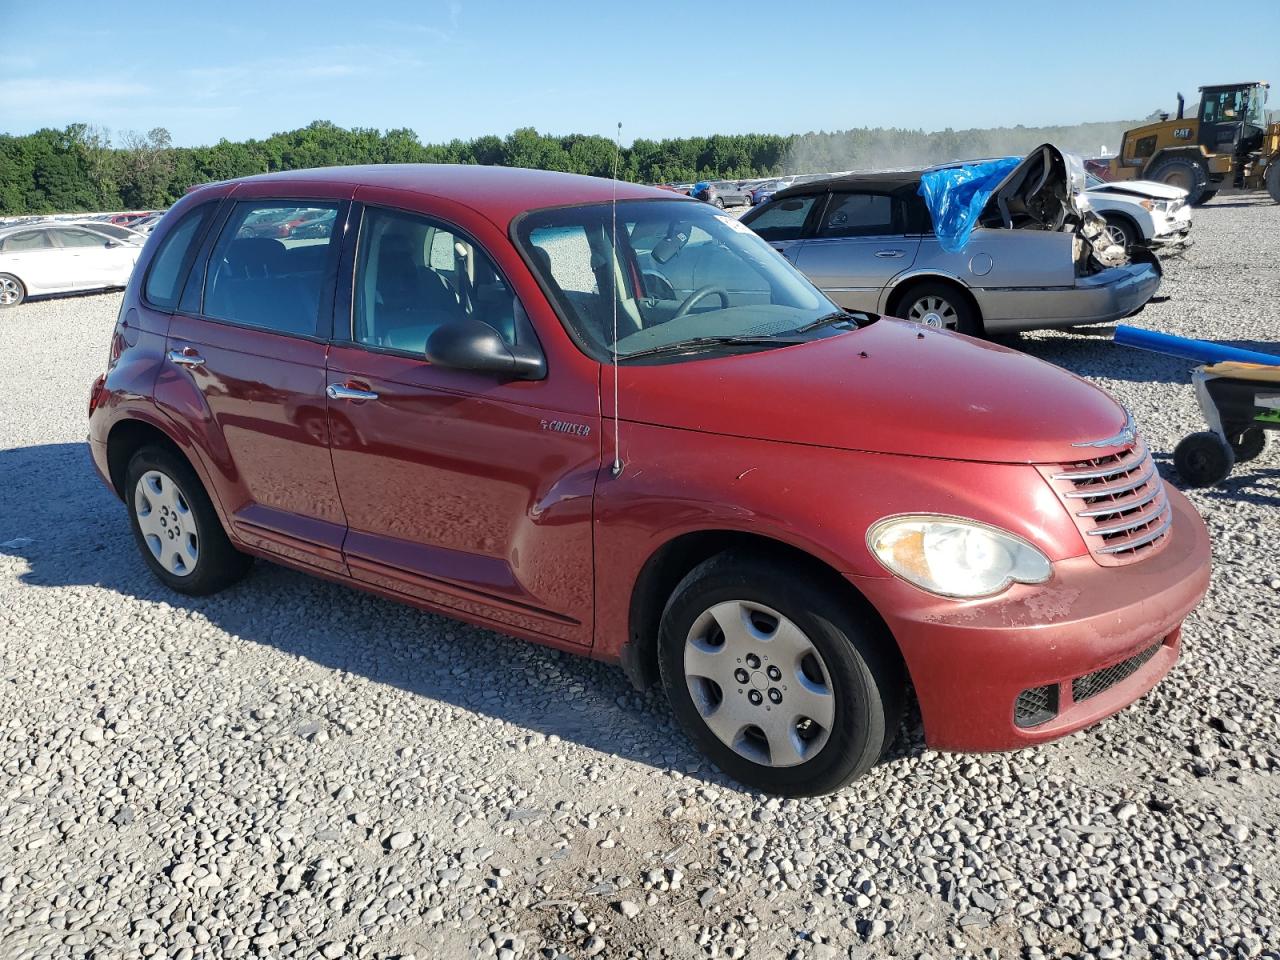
[[1117, 502]]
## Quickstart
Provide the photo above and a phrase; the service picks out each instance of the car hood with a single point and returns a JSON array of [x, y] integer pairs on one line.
[[891, 387], [1141, 188]]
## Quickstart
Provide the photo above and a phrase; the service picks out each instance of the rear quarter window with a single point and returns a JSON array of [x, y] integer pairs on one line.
[[172, 261]]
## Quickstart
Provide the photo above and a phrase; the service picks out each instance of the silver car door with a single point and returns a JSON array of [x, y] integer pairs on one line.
[[859, 245]]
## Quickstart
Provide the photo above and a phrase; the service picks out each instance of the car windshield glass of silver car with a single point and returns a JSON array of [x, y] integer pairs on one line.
[[678, 273]]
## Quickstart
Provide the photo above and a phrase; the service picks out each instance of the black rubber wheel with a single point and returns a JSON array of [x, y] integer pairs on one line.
[[1207, 196], [1203, 459], [12, 290], [176, 526], [1185, 173], [849, 660], [719, 202], [1273, 180], [942, 305], [1121, 229], [1247, 444]]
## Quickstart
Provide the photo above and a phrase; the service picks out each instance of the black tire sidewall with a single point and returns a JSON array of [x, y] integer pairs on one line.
[[1253, 440], [867, 684], [218, 563], [1199, 176], [1203, 459]]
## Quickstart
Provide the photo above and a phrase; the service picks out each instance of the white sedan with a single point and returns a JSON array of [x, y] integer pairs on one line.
[[46, 258], [1142, 213]]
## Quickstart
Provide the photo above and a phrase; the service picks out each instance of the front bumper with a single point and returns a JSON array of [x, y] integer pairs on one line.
[[970, 661], [1104, 297]]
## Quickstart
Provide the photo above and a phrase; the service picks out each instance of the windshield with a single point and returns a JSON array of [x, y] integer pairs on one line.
[[679, 271], [1255, 113]]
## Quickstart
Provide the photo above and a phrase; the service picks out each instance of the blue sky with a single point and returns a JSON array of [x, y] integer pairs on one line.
[[461, 68]]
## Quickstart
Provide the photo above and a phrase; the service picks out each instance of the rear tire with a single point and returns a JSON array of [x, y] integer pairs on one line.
[[809, 694], [1273, 180], [1182, 172], [1203, 459], [176, 526], [942, 306], [12, 291], [1207, 196]]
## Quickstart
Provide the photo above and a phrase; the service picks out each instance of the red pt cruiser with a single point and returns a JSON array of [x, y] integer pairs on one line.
[[614, 421]]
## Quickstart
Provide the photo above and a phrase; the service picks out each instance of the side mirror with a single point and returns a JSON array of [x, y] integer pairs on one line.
[[474, 345], [113, 243]]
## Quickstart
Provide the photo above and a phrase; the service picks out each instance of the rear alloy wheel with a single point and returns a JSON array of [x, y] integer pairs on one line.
[[1203, 459], [775, 679], [1184, 173], [176, 526], [12, 292], [940, 306]]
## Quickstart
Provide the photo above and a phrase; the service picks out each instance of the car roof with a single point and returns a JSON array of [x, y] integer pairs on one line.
[[891, 182], [500, 193]]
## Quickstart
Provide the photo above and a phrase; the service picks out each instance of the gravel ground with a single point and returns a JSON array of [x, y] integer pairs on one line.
[[296, 769]]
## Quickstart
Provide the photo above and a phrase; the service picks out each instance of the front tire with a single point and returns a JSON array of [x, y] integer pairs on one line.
[[12, 290], [176, 526], [1273, 180], [1120, 230], [777, 680], [1248, 443]]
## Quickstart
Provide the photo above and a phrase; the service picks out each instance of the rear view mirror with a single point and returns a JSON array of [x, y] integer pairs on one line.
[[474, 345], [791, 204], [669, 246]]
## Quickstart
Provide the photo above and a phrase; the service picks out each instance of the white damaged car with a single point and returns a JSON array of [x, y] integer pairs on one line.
[[1142, 213]]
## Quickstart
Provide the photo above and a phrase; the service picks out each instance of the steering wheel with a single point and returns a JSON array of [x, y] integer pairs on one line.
[[700, 294]]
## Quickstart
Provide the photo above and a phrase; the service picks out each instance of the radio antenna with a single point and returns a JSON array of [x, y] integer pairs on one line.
[[613, 273]]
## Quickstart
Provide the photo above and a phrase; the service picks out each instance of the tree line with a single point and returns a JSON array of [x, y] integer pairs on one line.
[[82, 168]]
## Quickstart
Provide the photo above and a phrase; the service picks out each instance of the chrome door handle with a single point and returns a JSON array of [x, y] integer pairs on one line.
[[340, 391], [186, 358], [889, 254]]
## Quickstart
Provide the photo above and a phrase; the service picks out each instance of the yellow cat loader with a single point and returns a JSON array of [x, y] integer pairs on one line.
[[1228, 144]]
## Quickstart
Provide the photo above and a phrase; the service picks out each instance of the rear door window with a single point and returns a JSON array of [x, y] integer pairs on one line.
[[69, 237], [784, 219], [858, 215], [269, 265]]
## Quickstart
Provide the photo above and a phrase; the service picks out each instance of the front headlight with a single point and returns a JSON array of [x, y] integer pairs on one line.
[[953, 557]]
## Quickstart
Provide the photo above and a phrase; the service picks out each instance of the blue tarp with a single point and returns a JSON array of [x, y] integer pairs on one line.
[[955, 197]]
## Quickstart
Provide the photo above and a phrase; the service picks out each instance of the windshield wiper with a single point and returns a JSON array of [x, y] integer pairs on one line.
[[693, 343], [829, 319]]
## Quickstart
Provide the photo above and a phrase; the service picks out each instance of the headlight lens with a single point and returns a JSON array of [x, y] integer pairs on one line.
[[955, 558]]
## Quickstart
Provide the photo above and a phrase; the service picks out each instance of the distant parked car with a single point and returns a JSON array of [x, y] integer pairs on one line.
[[732, 194], [113, 230], [705, 190], [868, 242], [764, 192], [124, 219], [60, 258]]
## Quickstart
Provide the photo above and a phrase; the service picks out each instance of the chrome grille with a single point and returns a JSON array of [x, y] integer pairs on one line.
[[1118, 503]]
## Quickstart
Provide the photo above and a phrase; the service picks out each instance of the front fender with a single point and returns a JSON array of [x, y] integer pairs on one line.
[[815, 499]]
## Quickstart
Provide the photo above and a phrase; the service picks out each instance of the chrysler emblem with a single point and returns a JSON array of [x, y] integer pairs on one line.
[[1128, 433]]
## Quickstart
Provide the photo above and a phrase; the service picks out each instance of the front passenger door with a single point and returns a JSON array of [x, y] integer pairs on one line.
[[781, 223], [462, 489]]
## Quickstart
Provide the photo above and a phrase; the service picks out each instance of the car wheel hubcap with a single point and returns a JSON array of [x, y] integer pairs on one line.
[[8, 291], [759, 683], [167, 523], [933, 312]]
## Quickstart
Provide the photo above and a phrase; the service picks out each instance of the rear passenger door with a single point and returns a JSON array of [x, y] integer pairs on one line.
[[859, 243], [246, 352]]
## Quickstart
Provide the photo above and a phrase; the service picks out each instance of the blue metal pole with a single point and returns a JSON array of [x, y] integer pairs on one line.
[[1200, 351]]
